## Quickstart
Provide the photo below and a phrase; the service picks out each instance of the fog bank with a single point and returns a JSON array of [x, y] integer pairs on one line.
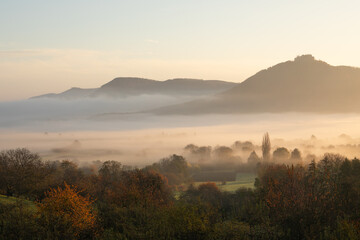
[[139, 140]]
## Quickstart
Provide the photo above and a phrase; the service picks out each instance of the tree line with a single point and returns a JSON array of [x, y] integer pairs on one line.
[[110, 201]]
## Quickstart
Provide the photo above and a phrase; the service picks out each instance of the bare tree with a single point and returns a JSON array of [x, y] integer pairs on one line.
[[266, 147]]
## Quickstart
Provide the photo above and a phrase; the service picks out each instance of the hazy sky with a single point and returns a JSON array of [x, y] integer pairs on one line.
[[49, 46]]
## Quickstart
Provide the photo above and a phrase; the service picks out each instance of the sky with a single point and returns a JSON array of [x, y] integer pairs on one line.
[[50, 46]]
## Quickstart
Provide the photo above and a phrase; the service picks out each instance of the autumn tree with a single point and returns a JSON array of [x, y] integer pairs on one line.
[[206, 192], [209, 192], [109, 173], [285, 197], [65, 214], [141, 188], [130, 205], [312, 202]]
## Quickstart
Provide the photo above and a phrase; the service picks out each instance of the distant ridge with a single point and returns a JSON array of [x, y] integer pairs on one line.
[[72, 93], [302, 85], [130, 86]]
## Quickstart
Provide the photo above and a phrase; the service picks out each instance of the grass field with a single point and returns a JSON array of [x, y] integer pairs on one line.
[[13, 200], [243, 180]]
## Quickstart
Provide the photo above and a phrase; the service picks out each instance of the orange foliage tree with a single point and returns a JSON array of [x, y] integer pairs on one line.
[[65, 214]]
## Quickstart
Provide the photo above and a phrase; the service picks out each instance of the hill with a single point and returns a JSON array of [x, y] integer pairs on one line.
[[72, 93], [126, 87], [301, 85]]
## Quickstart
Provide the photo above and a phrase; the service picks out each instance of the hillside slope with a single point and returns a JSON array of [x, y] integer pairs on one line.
[[127, 87], [302, 85]]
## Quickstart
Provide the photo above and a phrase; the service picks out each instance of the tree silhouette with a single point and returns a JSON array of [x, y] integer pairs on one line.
[[281, 154], [253, 158], [266, 147], [296, 155]]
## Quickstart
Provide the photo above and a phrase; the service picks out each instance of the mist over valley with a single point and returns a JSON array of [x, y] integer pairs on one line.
[[138, 121], [179, 120]]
